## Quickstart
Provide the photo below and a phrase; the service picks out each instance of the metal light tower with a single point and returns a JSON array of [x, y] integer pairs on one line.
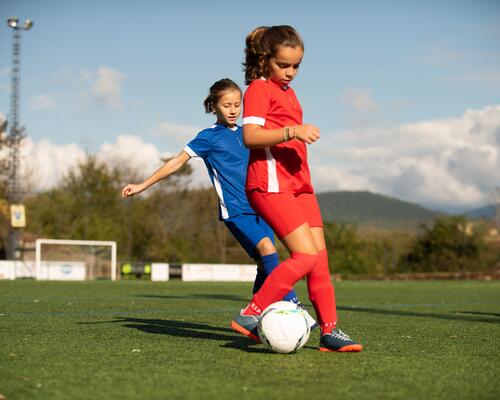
[[16, 133]]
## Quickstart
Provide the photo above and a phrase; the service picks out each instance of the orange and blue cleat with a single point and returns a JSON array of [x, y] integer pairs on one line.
[[246, 325], [338, 341]]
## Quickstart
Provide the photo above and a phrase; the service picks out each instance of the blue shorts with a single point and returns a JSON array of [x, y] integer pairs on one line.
[[249, 230]]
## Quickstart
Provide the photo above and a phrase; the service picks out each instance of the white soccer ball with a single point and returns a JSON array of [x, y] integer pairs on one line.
[[283, 327]]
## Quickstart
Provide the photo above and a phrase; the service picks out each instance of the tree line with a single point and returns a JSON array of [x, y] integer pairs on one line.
[[174, 223]]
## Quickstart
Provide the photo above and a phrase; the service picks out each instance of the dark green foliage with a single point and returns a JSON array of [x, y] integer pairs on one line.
[[372, 252], [450, 244], [168, 223], [173, 224]]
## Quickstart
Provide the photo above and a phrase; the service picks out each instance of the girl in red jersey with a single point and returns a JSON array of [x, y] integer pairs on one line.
[[279, 184]]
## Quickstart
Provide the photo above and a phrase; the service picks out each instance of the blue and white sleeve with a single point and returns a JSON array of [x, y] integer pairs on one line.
[[200, 146]]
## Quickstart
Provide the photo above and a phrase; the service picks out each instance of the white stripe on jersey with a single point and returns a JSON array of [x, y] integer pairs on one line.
[[191, 152], [218, 189], [272, 175], [254, 120]]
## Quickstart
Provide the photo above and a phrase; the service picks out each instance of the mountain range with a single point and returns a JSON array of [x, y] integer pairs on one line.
[[366, 208]]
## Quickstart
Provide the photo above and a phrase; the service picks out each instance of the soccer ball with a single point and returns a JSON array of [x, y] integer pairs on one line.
[[283, 327]]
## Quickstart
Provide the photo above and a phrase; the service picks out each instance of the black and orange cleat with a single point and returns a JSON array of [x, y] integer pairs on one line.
[[338, 341], [246, 325]]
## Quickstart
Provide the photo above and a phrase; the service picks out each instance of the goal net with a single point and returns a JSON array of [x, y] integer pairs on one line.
[[58, 259]]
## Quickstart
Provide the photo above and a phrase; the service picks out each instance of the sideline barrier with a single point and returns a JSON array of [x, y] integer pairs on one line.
[[62, 271], [219, 272], [10, 269], [160, 272]]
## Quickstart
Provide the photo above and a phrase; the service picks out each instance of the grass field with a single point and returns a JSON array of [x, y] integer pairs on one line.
[[144, 340]]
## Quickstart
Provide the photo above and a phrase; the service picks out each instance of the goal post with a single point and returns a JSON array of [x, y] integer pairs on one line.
[[78, 243]]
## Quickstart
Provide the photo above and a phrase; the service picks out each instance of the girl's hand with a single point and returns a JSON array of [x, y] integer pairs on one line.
[[307, 133], [132, 189]]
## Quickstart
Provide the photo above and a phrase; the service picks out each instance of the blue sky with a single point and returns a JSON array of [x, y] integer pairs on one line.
[[95, 71]]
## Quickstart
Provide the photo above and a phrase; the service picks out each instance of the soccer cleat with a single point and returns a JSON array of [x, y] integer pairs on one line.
[[338, 341], [246, 325], [310, 320]]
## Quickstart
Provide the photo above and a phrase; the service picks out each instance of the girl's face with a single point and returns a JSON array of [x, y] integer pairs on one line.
[[228, 108], [284, 65]]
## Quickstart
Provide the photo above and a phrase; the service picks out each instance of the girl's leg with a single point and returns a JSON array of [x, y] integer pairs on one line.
[[257, 238], [303, 259], [268, 261], [320, 287]]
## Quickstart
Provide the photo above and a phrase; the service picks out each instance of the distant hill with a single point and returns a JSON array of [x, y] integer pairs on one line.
[[366, 208], [487, 212]]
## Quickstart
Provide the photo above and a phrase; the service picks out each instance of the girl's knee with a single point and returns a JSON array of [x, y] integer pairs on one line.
[[266, 247]]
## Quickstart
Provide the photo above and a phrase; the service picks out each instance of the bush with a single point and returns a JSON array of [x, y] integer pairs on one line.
[[451, 244]]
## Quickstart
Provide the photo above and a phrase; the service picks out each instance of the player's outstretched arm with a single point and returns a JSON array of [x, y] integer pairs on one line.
[[257, 137], [169, 168]]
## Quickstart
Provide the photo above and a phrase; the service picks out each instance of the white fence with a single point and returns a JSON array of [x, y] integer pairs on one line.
[[48, 270], [17, 269], [219, 272], [76, 271]]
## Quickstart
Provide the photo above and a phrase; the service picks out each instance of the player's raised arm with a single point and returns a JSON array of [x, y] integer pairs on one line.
[[169, 168]]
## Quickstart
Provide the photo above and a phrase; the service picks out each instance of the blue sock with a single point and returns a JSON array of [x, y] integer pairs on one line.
[[269, 263]]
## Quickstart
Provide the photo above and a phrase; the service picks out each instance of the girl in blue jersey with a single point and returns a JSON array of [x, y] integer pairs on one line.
[[226, 158]]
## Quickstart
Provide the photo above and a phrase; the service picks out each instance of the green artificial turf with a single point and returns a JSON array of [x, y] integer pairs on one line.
[[144, 340]]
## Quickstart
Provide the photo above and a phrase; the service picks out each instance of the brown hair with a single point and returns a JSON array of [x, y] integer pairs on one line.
[[262, 44], [216, 91]]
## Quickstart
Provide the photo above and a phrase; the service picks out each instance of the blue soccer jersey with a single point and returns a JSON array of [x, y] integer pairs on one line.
[[226, 159]]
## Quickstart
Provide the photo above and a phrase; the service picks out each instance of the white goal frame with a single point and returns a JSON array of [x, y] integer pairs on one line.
[[38, 251]]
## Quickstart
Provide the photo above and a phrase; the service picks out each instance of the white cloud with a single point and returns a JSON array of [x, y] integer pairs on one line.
[[360, 100], [446, 162], [177, 133], [132, 154], [44, 164], [440, 162], [107, 87], [43, 102]]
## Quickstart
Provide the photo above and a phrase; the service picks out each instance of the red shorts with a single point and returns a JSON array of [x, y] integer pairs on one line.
[[285, 212]]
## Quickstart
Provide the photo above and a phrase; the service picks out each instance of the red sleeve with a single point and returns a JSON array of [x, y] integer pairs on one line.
[[256, 103]]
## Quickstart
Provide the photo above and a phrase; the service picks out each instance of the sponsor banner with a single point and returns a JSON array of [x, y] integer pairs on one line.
[[160, 272], [62, 271], [219, 272]]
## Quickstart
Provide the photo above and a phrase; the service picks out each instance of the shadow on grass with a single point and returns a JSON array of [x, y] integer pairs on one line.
[[196, 296], [189, 330], [479, 313], [453, 316]]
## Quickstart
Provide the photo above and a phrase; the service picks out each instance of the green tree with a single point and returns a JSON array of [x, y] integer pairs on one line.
[[167, 223], [345, 249], [450, 244]]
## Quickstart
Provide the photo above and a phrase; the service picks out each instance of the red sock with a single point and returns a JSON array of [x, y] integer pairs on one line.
[[322, 293], [327, 328], [281, 281], [252, 309]]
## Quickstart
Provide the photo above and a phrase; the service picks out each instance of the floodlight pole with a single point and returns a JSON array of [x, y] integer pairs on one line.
[[16, 131]]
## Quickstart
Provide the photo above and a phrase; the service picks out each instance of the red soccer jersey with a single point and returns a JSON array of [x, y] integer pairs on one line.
[[283, 167]]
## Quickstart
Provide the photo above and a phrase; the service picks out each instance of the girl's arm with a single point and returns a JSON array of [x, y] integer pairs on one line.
[[257, 137], [169, 168]]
